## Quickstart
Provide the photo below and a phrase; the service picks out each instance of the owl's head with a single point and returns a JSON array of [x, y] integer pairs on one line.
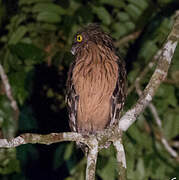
[[91, 34]]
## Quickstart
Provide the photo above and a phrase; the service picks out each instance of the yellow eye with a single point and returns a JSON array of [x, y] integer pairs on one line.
[[79, 38]]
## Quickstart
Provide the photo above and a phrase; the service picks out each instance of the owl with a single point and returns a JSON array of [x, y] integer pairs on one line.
[[96, 84]]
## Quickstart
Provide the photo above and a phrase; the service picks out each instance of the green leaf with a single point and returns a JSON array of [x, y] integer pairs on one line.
[[8, 162], [120, 30], [109, 170], [15, 23], [175, 62], [28, 52], [85, 14], [20, 90], [133, 11], [171, 124], [148, 50], [166, 94], [26, 9], [133, 75], [18, 35], [142, 4], [162, 31], [8, 123], [68, 151], [123, 16], [59, 156], [48, 7], [49, 27], [140, 169], [3, 39], [26, 40], [49, 17], [140, 137], [130, 166], [102, 14], [130, 26]]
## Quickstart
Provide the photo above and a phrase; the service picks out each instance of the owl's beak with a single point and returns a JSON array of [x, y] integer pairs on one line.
[[73, 50]]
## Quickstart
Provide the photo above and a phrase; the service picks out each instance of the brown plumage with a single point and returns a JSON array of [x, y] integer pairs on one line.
[[96, 82]]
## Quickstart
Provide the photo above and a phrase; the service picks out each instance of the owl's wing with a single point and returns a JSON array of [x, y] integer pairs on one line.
[[119, 94], [72, 100]]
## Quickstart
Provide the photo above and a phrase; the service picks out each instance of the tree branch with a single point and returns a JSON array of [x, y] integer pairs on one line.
[[44, 139], [13, 102], [91, 160], [157, 78]]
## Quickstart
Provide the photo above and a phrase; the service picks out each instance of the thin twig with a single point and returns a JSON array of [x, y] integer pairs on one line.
[[155, 114], [175, 144], [128, 38], [121, 159], [171, 151], [8, 92]]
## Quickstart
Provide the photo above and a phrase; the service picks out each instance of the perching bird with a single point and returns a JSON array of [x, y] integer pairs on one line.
[[96, 85]]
